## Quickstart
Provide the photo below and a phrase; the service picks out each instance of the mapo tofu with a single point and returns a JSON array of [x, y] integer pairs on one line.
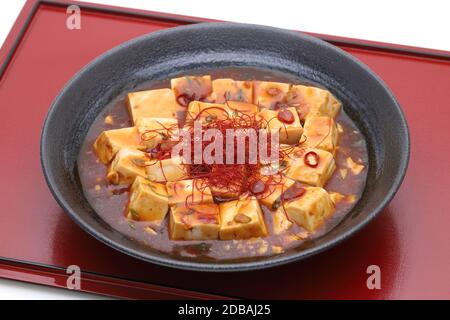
[[215, 197]]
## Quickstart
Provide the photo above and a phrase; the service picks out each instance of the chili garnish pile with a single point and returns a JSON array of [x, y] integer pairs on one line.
[[226, 180]]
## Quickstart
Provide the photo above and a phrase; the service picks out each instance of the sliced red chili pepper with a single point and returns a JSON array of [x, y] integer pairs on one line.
[[286, 116], [312, 159]]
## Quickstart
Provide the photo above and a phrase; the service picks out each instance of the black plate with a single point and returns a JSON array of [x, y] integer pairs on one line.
[[184, 49]]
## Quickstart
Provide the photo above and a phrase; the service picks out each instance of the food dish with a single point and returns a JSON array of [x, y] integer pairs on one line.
[[226, 208], [200, 50]]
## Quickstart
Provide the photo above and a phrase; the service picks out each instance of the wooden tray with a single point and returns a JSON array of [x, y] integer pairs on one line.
[[410, 240]]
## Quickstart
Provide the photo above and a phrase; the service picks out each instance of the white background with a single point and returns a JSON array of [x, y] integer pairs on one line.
[[415, 23]]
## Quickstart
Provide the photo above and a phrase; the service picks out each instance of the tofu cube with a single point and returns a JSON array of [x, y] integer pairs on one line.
[[238, 108], [110, 142], [153, 131], [160, 103], [148, 201], [311, 209], [313, 101], [206, 112], [171, 169], [194, 87], [267, 95], [319, 170], [196, 222], [280, 221], [290, 133], [126, 166], [241, 219], [185, 192], [275, 186], [320, 132], [230, 90]]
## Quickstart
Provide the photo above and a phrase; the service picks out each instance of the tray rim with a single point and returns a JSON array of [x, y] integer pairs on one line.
[[97, 280], [97, 283]]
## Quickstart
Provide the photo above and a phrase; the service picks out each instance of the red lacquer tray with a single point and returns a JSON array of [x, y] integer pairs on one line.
[[410, 240]]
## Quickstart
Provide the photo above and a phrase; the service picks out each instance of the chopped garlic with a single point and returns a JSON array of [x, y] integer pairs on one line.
[[343, 173], [277, 249], [336, 197], [355, 167], [289, 238], [296, 237], [109, 120], [302, 235], [253, 240], [150, 231], [263, 248]]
